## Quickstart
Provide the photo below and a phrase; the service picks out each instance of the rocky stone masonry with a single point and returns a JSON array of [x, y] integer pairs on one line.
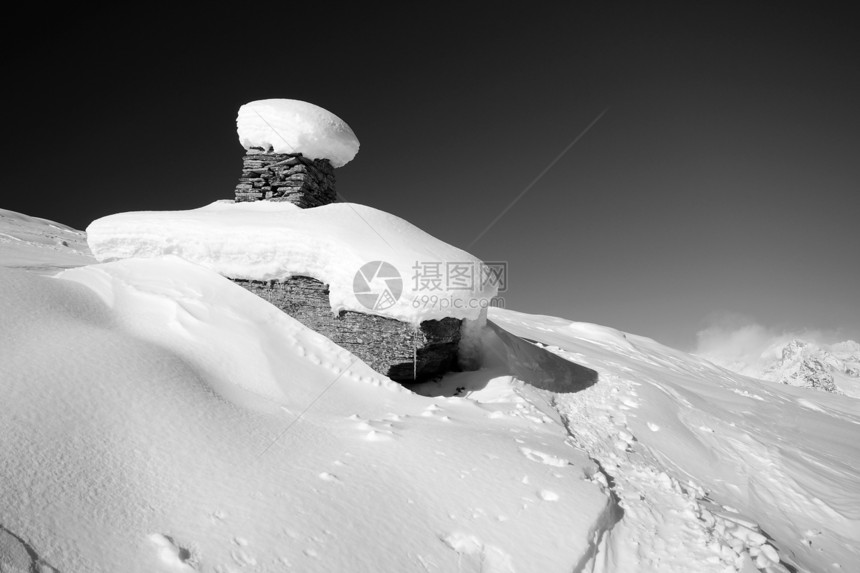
[[388, 346], [286, 177]]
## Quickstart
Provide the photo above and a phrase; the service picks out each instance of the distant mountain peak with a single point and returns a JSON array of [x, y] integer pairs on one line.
[[810, 365]]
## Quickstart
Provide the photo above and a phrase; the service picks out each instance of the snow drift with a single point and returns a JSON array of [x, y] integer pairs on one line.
[[269, 241], [726, 451], [40, 245], [157, 417]]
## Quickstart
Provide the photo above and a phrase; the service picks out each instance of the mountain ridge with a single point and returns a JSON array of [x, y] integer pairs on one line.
[[808, 364]]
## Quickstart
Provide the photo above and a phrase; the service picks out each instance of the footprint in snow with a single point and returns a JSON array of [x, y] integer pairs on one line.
[[622, 446], [382, 436], [543, 458], [377, 430], [172, 554], [325, 476], [625, 441], [431, 410], [809, 536]]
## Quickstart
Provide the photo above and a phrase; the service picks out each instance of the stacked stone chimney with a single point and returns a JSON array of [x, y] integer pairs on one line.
[[286, 177]]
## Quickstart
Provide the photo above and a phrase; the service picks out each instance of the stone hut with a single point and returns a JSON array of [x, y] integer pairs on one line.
[[273, 170]]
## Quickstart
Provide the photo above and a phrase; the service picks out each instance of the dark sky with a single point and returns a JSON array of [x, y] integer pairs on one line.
[[723, 178]]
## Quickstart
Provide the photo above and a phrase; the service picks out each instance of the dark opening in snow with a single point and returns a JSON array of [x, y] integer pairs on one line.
[[540, 367]]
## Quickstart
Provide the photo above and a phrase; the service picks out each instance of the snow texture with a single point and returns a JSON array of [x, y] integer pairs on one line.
[[293, 126], [710, 467], [165, 419], [40, 245], [156, 417], [274, 240]]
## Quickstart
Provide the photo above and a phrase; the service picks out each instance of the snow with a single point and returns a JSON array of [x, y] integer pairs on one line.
[[40, 245], [686, 442], [157, 417], [156, 438], [267, 240], [293, 126], [798, 362]]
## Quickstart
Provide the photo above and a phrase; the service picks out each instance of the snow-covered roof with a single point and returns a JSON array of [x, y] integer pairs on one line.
[[417, 277], [293, 126]]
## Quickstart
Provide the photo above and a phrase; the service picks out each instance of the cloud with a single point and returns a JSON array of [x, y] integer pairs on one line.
[[741, 344]]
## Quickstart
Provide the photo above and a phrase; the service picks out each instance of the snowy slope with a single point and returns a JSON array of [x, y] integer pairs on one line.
[[40, 245], [696, 451], [156, 417]]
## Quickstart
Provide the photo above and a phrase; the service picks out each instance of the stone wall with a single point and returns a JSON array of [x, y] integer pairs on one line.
[[388, 346], [391, 347], [286, 177]]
